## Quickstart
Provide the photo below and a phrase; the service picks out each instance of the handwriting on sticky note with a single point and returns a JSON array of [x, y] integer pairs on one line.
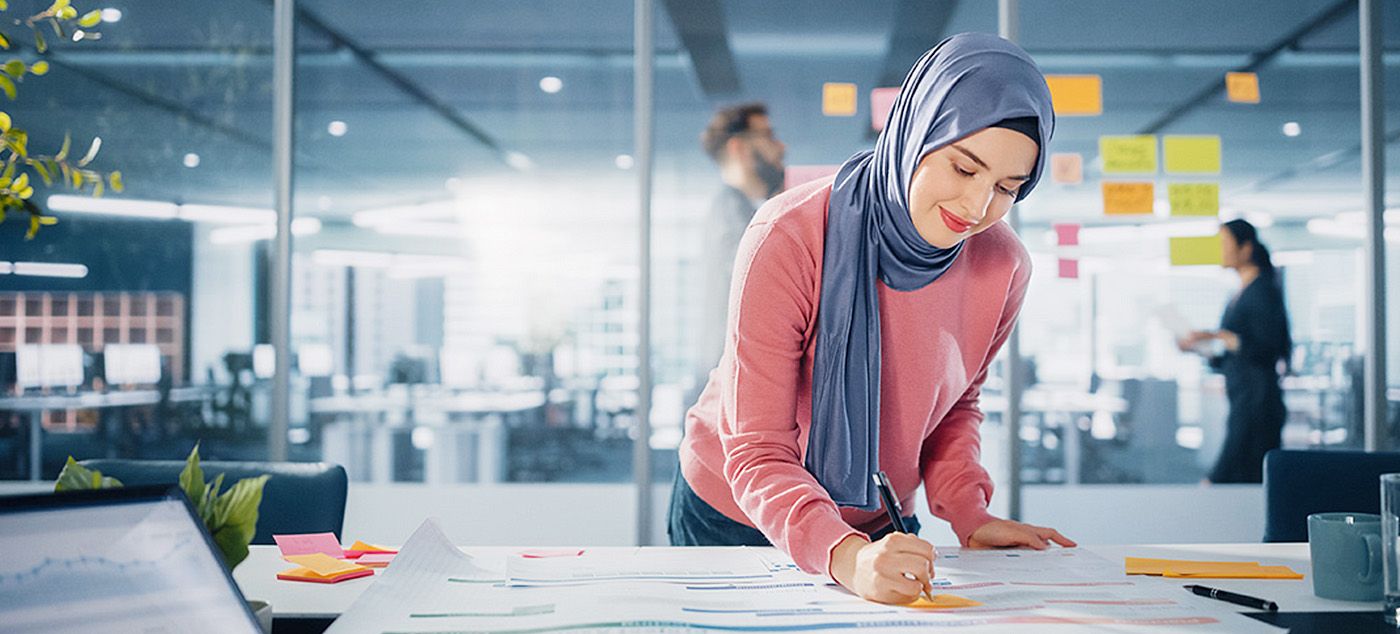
[[323, 564], [1242, 87], [1192, 154], [1135, 154], [1127, 198], [306, 543], [838, 99], [1067, 168], [1076, 95], [1194, 199], [943, 602], [1195, 251]]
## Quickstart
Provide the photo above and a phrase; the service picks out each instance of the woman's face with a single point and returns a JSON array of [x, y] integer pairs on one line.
[[965, 187], [1232, 255]]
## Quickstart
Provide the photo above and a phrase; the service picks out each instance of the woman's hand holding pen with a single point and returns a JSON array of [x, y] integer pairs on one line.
[[895, 569], [1009, 534]]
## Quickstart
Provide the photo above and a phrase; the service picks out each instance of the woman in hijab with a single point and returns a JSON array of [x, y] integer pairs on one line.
[[1254, 343], [863, 316]]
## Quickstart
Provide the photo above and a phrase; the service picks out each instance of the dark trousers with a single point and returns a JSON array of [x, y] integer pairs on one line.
[[693, 522]]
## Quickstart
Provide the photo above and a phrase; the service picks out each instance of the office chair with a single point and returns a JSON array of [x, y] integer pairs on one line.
[[300, 497], [1300, 483]]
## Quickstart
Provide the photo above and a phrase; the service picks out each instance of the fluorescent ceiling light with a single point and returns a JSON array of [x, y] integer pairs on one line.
[[551, 84], [343, 257], [6, 268], [50, 269], [113, 206], [1292, 129], [227, 215], [421, 229], [519, 161], [254, 233], [337, 128], [392, 215], [191, 160]]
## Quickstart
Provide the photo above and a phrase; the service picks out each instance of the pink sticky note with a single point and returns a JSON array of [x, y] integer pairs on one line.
[[799, 174], [881, 102], [1067, 234], [1069, 269], [1067, 168], [307, 543], [375, 560], [542, 554]]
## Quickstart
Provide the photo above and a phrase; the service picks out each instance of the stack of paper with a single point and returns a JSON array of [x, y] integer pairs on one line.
[[1206, 569]]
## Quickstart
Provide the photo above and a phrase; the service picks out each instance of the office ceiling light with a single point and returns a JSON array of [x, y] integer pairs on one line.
[[255, 233], [551, 84], [447, 230], [337, 128], [111, 14], [50, 269], [519, 161], [393, 215], [221, 214], [1292, 129], [324, 203], [6, 268], [342, 257], [113, 206], [624, 161], [191, 160]]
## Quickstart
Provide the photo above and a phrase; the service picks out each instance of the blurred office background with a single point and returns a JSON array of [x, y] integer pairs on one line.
[[465, 269]]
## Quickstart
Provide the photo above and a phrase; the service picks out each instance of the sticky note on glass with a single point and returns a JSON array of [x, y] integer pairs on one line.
[[1192, 154], [323, 564], [1069, 269], [1194, 199], [1242, 87], [306, 543], [1067, 168], [1076, 95], [1127, 199], [881, 103], [1196, 251], [942, 602], [1136, 154], [838, 99], [1066, 234], [798, 174]]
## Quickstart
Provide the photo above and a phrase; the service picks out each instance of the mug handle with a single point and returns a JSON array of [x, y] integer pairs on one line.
[[1373, 558]]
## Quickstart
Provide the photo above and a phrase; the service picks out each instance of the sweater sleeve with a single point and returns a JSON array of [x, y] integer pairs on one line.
[[958, 487], [772, 302]]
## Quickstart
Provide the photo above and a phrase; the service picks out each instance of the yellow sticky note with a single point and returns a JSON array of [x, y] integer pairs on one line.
[[838, 99], [1194, 199], [1196, 251], [942, 602], [1127, 198], [323, 564], [1067, 168], [1192, 154], [1136, 154], [367, 548], [1149, 566], [1242, 87], [1072, 95]]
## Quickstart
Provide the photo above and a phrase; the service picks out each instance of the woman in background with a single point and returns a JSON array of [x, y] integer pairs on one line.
[[1254, 347]]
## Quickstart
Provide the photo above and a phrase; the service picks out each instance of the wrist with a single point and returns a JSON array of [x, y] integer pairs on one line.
[[843, 560]]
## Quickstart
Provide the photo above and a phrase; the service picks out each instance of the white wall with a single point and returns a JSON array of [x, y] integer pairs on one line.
[[221, 302]]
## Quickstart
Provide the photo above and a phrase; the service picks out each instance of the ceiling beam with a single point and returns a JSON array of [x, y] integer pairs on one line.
[[918, 26], [700, 25]]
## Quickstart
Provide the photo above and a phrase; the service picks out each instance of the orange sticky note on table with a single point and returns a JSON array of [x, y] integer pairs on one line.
[[360, 548], [881, 103], [1076, 95], [1242, 87], [1067, 168], [838, 99], [306, 574], [323, 564], [942, 602], [1235, 572], [1127, 199]]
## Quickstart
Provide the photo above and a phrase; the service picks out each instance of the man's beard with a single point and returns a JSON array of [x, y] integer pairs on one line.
[[770, 174]]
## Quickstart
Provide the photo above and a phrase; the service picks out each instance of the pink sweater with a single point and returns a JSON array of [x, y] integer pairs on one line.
[[747, 435]]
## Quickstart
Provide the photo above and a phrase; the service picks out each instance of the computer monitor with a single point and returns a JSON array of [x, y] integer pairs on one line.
[[116, 560], [49, 365], [131, 364]]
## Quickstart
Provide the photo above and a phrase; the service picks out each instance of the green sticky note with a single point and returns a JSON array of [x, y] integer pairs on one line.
[[1196, 251], [1192, 154], [1129, 154], [1194, 199]]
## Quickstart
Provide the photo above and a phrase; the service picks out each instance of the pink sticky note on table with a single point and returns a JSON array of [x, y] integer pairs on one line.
[[375, 560], [1067, 235], [307, 543], [559, 552], [799, 174], [881, 102], [1069, 269]]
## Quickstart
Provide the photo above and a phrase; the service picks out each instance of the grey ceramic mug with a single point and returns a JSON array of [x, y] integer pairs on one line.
[[1346, 555]]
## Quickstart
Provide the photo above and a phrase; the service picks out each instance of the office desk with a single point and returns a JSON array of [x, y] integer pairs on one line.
[[315, 605]]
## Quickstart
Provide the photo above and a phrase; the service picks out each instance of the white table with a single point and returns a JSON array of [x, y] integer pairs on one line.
[[292, 599]]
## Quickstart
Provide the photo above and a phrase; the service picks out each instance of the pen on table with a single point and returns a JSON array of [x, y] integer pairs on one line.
[[1232, 597], [882, 483]]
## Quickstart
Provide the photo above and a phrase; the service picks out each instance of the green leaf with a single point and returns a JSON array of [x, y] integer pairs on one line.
[[39, 43], [43, 173], [90, 19], [20, 183], [67, 13], [5, 122], [59, 5], [76, 477], [8, 86], [4, 39], [192, 477], [115, 180], [236, 518], [40, 68], [232, 545], [63, 151], [14, 68], [98, 188]]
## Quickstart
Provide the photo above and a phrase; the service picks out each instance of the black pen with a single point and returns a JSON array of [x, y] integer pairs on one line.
[[1232, 597], [882, 483]]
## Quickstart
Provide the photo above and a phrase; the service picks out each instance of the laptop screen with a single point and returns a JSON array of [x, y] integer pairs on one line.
[[122, 561]]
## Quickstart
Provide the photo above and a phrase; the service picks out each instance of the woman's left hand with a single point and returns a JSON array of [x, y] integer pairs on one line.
[[1009, 534]]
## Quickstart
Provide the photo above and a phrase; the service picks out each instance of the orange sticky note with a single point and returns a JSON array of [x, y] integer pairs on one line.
[[1235, 572], [306, 574], [942, 602], [1076, 95], [1242, 87], [359, 548], [1127, 198], [838, 99], [881, 103], [1067, 168], [323, 564]]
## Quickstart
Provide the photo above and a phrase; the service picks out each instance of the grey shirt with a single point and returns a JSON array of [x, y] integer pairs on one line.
[[729, 215]]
